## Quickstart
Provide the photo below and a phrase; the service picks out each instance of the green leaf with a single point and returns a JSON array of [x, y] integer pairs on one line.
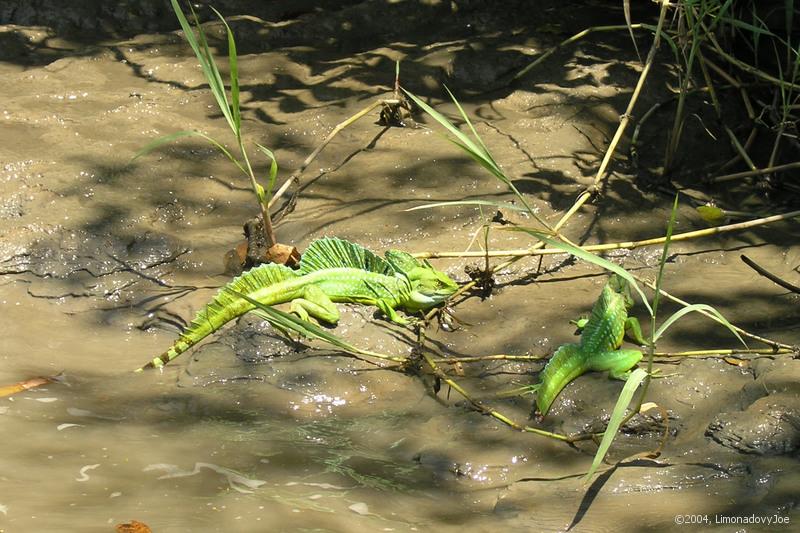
[[711, 214], [498, 205], [745, 26], [697, 308], [261, 194], [273, 169], [587, 256], [186, 133], [467, 145], [471, 127], [632, 383]]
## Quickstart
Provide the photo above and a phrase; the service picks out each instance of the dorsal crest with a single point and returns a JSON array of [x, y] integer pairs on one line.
[[327, 253]]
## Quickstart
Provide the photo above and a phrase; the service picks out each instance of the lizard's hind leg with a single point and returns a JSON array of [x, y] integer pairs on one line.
[[315, 303]]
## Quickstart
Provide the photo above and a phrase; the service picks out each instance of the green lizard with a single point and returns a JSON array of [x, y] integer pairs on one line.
[[599, 348], [331, 270]]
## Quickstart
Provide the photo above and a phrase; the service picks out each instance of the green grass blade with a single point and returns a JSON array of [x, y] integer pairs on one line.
[[587, 256], [469, 123], [273, 169], [746, 26], [498, 205], [664, 255], [206, 59], [696, 308], [212, 72], [233, 67], [617, 416], [186, 133], [479, 154], [290, 322], [469, 146]]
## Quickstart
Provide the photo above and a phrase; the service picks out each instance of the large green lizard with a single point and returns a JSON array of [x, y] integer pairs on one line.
[[599, 348], [331, 270]]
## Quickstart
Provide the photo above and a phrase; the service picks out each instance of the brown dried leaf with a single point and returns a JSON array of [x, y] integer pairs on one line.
[[283, 254], [134, 526], [735, 361]]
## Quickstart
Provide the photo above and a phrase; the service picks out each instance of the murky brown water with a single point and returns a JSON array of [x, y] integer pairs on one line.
[[100, 260]]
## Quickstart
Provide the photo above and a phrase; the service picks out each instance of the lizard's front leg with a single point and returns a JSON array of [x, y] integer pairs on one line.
[[633, 330], [390, 312], [315, 303]]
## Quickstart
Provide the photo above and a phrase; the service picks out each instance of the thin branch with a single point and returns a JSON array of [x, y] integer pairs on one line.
[[295, 177], [537, 250], [769, 275], [769, 342]]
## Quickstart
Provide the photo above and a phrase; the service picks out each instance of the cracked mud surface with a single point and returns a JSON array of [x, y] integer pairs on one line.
[[103, 261]]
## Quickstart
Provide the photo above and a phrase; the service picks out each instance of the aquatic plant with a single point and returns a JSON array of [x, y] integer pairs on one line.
[[228, 102]]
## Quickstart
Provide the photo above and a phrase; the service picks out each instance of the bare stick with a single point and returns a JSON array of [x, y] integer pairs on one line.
[[487, 410], [576, 37], [740, 149], [496, 357], [295, 177], [725, 352], [774, 344], [769, 275], [756, 172]]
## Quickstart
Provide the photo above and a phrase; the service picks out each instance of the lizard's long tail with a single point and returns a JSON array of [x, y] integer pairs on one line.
[[224, 307], [566, 364]]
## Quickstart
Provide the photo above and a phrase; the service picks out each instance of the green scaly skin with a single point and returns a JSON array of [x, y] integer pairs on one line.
[[599, 348], [331, 271]]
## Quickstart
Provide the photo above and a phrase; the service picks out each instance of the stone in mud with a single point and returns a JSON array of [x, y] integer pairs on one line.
[[769, 426], [774, 376]]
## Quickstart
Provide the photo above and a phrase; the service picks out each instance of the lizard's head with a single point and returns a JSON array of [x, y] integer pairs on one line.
[[429, 286], [620, 285]]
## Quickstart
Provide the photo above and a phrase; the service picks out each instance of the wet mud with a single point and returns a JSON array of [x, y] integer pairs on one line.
[[104, 260]]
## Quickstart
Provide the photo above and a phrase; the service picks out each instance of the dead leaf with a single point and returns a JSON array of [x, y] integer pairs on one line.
[[32, 383], [735, 361], [283, 254], [134, 526]]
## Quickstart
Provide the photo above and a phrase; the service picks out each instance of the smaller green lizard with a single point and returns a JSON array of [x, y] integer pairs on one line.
[[599, 348]]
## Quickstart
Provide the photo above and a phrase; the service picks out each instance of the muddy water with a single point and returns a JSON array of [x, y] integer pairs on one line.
[[102, 261]]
